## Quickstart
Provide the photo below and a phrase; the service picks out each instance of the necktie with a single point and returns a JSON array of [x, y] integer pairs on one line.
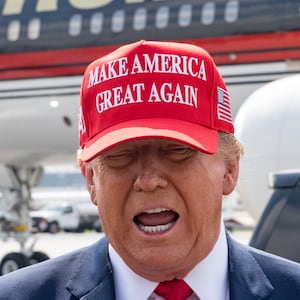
[[174, 290]]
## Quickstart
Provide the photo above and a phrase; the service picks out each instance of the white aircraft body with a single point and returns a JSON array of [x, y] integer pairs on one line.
[[268, 125]]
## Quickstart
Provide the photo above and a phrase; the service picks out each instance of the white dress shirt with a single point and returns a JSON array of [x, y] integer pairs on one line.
[[208, 279]]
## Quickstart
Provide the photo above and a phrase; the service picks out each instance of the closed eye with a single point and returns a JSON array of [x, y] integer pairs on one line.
[[119, 159], [178, 153]]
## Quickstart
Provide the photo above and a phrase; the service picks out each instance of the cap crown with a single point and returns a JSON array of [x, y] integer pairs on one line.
[[152, 80]]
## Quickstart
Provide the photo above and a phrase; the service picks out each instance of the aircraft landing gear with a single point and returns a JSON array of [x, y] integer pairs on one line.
[[12, 262], [37, 257], [15, 221], [16, 260]]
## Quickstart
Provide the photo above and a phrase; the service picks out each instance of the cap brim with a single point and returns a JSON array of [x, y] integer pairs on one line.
[[200, 137]]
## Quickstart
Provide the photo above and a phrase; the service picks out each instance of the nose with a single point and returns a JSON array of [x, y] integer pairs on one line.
[[150, 173]]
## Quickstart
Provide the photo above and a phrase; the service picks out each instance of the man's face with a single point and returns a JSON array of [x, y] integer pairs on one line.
[[160, 204]]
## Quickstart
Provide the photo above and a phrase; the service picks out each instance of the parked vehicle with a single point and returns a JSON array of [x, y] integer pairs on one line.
[[62, 202], [278, 230], [65, 216]]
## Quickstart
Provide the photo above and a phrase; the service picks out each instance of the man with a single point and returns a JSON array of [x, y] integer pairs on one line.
[[158, 153]]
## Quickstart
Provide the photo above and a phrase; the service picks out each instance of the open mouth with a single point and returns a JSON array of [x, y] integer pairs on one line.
[[154, 221]]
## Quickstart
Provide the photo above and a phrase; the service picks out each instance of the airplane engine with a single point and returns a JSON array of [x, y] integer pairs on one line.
[[268, 125]]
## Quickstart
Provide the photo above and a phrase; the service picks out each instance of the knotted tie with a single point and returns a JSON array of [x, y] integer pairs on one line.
[[174, 290]]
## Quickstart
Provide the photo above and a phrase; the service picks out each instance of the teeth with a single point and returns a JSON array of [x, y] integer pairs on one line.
[[155, 210], [155, 229]]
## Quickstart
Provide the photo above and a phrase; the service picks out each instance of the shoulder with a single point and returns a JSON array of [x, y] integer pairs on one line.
[[277, 268], [269, 262], [248, 265], [48, 279]]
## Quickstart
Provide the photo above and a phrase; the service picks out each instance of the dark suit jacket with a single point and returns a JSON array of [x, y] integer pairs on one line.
[[86, 274]]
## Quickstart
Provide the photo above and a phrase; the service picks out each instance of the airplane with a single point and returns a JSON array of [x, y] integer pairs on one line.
[[46, 45], [268, 126]]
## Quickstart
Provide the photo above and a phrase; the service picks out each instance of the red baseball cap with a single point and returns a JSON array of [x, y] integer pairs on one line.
[[153, 89]]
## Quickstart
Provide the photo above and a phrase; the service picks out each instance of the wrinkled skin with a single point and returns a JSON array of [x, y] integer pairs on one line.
[[149, 174]]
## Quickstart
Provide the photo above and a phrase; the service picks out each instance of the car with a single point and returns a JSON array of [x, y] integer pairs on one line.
[[75, 217], [278, 230], [62, 202]]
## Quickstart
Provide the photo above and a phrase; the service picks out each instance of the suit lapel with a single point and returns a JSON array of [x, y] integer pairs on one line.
[[104, 290], [92, 277], [247, 280]]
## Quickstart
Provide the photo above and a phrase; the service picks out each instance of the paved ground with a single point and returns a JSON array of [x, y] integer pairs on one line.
[[53, 244]]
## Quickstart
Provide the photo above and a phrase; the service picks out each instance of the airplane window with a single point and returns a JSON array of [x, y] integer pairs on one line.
[[34, 28], [185, 15], [13, 30], [75, 25], [140, 19], [162, 17], [118, 20], [208, 13], [231, 11], [96, 23]]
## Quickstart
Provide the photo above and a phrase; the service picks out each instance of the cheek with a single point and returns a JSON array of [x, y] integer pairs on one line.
[[107, 186], [205, 191], [109, 212], [111, 195], [104, 195]]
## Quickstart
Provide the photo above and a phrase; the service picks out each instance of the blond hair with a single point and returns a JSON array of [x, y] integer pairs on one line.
[[229, 146]]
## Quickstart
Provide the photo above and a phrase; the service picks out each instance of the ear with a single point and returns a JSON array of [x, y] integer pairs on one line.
[[88, 173], [230, 176]]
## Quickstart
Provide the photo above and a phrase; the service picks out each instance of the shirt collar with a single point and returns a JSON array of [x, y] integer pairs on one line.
[[128, 285], [208, 279]]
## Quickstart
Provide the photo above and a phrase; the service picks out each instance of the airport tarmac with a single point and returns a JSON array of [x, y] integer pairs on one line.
[[57, 244]]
